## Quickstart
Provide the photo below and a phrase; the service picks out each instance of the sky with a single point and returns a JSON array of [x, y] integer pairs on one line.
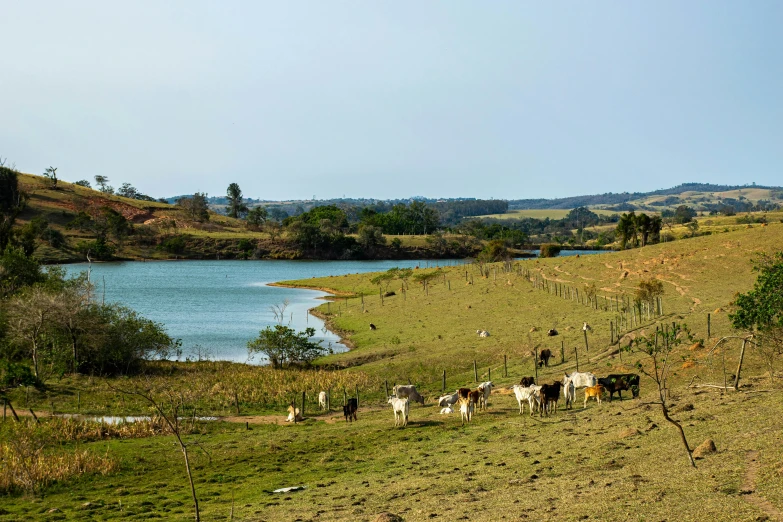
[[325, 99]]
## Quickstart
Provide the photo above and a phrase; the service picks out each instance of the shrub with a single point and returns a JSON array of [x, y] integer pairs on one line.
[[549, 250], [174, 245]]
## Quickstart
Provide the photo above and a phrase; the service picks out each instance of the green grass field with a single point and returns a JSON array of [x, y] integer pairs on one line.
[[614, 461]]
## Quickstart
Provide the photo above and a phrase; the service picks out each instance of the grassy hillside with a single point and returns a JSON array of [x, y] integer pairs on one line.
[[154, 223]]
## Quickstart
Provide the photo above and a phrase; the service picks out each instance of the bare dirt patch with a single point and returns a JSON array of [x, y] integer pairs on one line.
[[749, 487]]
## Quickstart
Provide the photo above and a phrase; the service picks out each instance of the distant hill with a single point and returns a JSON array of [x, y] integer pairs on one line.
[[700, 195]]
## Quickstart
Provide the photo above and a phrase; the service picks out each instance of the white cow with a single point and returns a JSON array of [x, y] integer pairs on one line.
[[447, 410], [531, 394], [482, 333], [401, 408], [402, 391], [322, 400], [486, 389], [574, 381], [448, 400]]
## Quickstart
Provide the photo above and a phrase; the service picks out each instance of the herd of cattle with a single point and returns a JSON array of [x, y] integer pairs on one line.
[[541, 398]]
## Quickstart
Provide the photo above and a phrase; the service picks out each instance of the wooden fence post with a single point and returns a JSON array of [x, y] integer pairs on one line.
[[505, 366], [489, 373], [475, 371], [587, 347], [739, 366], [562, 352], [708, 326], [293, 405], [576, 355], [535, 363], [443, 388]]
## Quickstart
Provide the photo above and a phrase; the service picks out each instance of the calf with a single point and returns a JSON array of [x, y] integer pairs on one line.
[[594, 391], [349, 410], [620, 381], [294, 415], [465, 409], [574, 381], [527, 381], [544, 356], [322, 400], [552, 332], [463, 393], [402, 391], [531, 394], [550, 394], [475, 397], [401, 408]]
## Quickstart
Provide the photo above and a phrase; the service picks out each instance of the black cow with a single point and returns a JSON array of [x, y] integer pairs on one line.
[[527, 381], [552, 332], [349, 410], [544, 356], [618, 382], [550, 393]]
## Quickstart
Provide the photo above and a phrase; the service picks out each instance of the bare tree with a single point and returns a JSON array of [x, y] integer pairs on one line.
[[659, 350]]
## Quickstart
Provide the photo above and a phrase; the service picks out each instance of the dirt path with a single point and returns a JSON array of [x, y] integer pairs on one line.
[[749, 488]]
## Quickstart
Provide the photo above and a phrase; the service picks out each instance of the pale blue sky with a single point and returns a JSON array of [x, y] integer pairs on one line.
[[394, 99]]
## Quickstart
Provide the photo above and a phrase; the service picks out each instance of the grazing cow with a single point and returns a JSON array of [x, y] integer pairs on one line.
[[373, 327], [486, 390], [464, 393], [550, 395], [294, 415], [527, 381], [401, 409], [322, 400], [552, 332], [465, 409], [447, 410], [544, 356], [586, 327], [531, 394], [402, 391], [594, 391], [482, 333], [448, 400], [349, 410], [620, 381], [575, 381]]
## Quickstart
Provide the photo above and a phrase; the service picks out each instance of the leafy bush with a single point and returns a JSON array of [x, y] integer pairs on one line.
[[549, 250], [174, 245], [13, 375]]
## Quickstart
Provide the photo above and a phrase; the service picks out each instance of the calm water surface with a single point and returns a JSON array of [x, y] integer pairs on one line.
[[216, 307]]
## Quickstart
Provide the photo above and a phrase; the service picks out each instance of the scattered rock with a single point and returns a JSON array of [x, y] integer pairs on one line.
[[629, 432], [684, 407], [705, 448], [388, 517]]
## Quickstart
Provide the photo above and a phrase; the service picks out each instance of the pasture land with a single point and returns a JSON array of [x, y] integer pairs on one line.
[[551, 213], [616, 461]]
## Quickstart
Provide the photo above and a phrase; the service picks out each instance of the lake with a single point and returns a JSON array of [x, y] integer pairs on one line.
[[216, 307]]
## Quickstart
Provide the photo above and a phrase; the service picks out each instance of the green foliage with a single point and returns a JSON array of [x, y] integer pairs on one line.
[[549, 250], [257, 216], [282, 345], [195, 207], [83, 183], [17, 271], [51, 175], [128, 191], [494, 251], [13, 375], [648, 291], [683, 214], [370, 237], [98, 249], [236, 207], [761, 309], [174, 245], [12, 202], [396, 243], [416, 218]]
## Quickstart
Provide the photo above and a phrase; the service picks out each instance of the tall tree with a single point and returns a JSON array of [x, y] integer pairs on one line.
[[12, 202], [236, 207], [103, 184], [195, 207]]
